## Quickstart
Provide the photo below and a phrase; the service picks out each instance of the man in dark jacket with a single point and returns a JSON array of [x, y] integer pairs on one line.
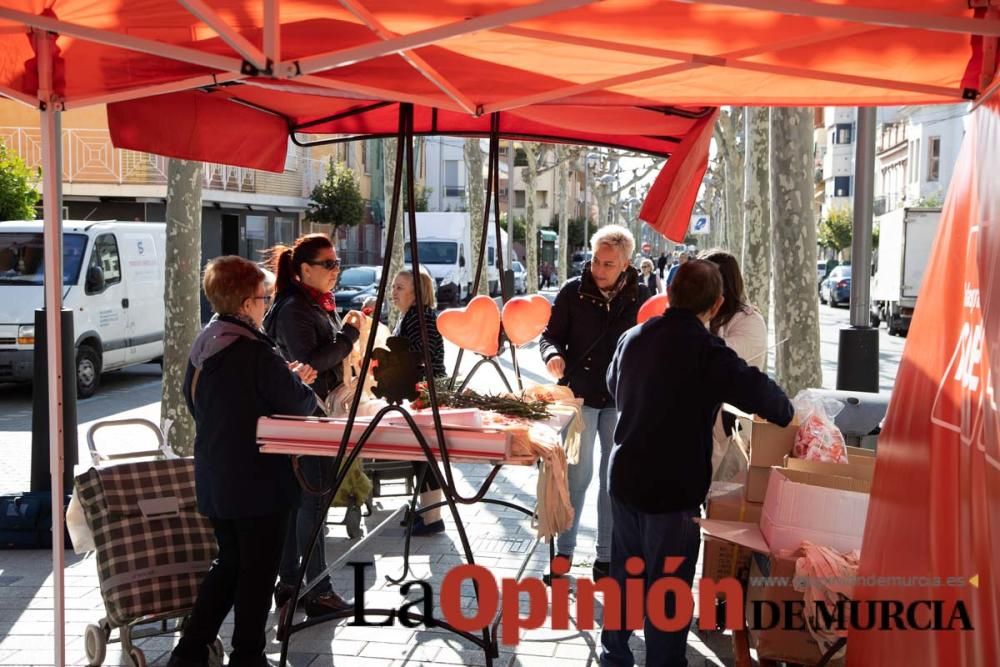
[[661, 466], [589, 314]]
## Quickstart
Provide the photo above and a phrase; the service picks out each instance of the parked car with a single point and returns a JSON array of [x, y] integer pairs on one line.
[[836, 288], [820, 272], [520, 278], [577, 262], [356, 285]]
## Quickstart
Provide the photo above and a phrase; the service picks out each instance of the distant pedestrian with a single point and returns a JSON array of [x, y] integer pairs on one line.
[[681, 259], [649, 278], [661, 264]]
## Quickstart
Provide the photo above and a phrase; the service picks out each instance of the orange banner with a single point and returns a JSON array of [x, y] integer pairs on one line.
[[933, 528]]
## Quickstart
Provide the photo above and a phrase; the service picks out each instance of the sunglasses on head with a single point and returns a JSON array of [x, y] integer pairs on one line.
[[328, 264]]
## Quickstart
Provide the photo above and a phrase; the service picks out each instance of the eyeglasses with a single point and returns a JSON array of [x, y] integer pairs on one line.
[[265, 299], [328, 264]]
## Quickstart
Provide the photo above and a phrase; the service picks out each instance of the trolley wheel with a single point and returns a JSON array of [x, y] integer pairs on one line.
[[352, 521], [137, 657], [95, 645], [216, 653]]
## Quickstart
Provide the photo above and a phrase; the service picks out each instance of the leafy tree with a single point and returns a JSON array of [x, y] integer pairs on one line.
[[18, 195], [421, 197], [835, 230], [337, 199]]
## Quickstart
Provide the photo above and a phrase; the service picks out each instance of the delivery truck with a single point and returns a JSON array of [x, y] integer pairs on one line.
[[905, 239]]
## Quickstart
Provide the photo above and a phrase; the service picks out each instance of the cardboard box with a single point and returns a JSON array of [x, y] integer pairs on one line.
[[770, 443], [722, 559], [858, 467], [778, 643], [823, 509], [756, 486], [799, 505]]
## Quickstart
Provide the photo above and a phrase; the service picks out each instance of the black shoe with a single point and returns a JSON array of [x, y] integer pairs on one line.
[[326, 603], [282, 594], [548, 576], [602, 568], [178, 661], [421, 529]]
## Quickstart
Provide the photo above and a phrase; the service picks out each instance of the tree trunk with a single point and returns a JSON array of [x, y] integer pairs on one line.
[[727, 132], [756, 262], [531, 224], [182, 298], [475, 198], [796, 309], [389, 148], [562, 258]]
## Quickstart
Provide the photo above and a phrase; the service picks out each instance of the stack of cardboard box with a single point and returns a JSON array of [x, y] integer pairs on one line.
[[824, 503]]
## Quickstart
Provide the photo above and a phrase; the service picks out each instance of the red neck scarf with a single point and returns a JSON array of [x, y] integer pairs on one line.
[[324, 299]]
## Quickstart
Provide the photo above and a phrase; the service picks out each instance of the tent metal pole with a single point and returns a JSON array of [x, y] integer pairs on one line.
[[272, 31], [194, 83], [50, 107], [138, 44], [415, 40], [230, 35], [867, 15]]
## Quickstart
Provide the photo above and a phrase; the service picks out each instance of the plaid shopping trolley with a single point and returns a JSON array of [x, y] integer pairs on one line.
[[153, 549]]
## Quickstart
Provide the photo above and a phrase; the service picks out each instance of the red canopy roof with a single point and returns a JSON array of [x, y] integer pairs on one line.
[[631, 73]]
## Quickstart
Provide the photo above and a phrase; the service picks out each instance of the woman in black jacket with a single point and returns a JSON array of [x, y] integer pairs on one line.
[[405, 300], [306, 326], [234, 376]]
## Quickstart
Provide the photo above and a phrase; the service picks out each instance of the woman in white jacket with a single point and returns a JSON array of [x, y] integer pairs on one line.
[[742, 326]]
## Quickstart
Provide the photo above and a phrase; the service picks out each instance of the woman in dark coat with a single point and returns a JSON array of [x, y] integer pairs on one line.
[[404, 298], [306, 326], [235, 376]]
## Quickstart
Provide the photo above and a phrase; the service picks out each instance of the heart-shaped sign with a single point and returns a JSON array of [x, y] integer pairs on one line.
[[654, 307], [475, 328], [525, 317]]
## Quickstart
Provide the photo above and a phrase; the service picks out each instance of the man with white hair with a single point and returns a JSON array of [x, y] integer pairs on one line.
[[590, 312]]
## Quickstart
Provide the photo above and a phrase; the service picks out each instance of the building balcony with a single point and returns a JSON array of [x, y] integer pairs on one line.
[[90, 158]]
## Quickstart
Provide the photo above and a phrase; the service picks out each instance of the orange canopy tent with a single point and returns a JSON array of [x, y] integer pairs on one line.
[[229, 80]]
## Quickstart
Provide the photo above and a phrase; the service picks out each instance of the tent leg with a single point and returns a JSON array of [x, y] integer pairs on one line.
[[50, 107]]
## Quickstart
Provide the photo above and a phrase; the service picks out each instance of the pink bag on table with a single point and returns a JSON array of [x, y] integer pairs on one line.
[[818, 438]]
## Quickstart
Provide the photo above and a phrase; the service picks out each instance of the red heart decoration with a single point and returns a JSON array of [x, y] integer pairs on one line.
[[654, 307], [525, 317], [475, 328]]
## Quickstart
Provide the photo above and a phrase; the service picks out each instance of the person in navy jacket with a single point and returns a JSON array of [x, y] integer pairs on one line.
[[661, 463]]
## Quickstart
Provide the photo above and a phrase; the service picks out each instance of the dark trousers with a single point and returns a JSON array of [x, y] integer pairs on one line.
[[430, 482], [651, 537], [242, 579], [318, 472]]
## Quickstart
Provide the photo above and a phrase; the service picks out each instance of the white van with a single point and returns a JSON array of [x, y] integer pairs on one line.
[[445, 250], [113, 278]]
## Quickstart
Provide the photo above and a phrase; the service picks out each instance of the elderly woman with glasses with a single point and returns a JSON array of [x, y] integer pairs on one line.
[[306, 326], [235, 376]]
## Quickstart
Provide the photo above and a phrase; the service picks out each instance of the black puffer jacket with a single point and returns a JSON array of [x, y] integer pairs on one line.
[[580, 315], [308, 334]]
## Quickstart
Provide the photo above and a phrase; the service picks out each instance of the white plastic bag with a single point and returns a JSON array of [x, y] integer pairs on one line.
[[76, 526], [818, 438]]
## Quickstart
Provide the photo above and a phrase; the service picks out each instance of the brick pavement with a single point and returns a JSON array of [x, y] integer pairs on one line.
[[498, 538]]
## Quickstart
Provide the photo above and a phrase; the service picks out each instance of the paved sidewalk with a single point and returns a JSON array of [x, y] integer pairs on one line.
[[499, 537]]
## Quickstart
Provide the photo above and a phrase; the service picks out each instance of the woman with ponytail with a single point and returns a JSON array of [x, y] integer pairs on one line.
[[305, 324]]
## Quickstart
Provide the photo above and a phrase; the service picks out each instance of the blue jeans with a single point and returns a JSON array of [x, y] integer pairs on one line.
[[651, 537], [596, 422], [317, 471]]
